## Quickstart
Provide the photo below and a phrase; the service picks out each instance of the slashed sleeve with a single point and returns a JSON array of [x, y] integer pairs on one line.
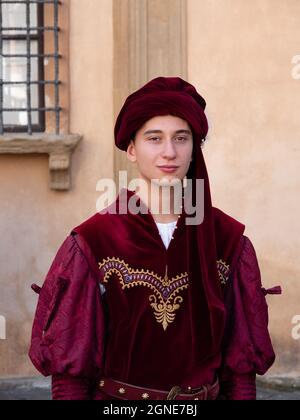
[[247, 347], [68, 330]]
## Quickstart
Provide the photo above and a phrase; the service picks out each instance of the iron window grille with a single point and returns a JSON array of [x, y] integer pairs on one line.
[[22, 102]]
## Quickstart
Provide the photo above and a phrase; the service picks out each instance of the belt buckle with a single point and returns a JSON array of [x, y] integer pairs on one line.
[[174, 391]]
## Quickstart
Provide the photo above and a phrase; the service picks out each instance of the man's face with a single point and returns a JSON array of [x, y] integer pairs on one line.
[[163, 141]]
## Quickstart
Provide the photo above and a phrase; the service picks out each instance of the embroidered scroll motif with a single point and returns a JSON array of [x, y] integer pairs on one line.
[[223, 270], [164, 301]]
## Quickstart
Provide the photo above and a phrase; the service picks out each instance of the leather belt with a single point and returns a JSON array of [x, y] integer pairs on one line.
[[124, 391]]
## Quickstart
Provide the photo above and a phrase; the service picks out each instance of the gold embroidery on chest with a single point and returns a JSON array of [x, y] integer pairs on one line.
[[164, 301], [223, 270]]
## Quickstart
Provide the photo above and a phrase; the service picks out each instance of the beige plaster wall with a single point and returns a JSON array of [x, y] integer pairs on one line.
[[239, 57], [35, 220]]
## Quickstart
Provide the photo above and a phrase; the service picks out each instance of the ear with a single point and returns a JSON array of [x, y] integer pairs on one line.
[[131, 153]]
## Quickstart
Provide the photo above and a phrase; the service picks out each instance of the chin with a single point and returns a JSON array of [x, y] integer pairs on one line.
[[169, 180]]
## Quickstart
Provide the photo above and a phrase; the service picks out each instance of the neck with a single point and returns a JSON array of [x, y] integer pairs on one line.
[[163, 202]]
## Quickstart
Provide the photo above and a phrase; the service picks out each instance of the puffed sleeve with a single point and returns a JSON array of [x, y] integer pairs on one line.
[[68, 329], [247, 346]]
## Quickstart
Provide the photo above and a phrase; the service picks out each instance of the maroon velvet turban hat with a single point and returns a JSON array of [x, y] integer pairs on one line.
[[174, 96]]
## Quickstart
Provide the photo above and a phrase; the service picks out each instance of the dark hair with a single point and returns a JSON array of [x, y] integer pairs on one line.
[[133, 137]]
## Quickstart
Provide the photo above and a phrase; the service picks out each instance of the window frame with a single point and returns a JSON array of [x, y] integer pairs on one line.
[[56, 141], [39, 37]]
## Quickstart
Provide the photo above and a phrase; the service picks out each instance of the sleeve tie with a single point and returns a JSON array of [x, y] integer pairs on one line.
[[272, 291]]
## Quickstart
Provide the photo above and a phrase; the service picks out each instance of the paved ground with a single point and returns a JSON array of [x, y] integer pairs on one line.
[[276, 394], [25, 389], [39, 389]]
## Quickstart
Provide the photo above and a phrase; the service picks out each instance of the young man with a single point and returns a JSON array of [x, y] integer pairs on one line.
[[180, 312]]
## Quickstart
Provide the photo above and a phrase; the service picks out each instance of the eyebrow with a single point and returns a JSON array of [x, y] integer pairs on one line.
[[159, 131]]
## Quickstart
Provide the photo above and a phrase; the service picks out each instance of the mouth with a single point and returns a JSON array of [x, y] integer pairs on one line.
[[168, 169]]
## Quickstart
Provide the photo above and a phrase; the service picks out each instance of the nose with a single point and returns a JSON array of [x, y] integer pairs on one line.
[[169, 150]]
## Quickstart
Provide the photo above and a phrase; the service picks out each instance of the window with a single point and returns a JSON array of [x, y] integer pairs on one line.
[[34, 88], [29, 73]]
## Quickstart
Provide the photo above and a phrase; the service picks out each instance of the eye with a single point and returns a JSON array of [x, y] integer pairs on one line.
[[154, 139], [181, 139]]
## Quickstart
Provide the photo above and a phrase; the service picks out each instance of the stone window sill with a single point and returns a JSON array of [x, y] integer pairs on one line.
[[58, 147]]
